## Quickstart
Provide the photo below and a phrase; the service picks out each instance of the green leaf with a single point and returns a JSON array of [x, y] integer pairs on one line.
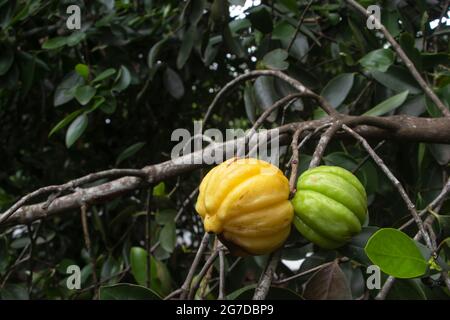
[[407, 289], [129, 152], [233, 43], [84, 94], [250, 102], [98, 101], [14, 292], [276, 59], [6, 59], [397, 79], [165, 216], [123, 79], [64, 122], [266, 95], [109, 106], [109, 268], [186, 46], [82, 70], [27, 71], [197, 10], [66, 89], [396, 254], [160, 279], [76, 129], [261, 19], [379, 60], [388, 105], [338, 88], [290, 4], [75, 38], [354, 249], [127, 291], [138, 261], [154, 52], [54, 43], [104, 75], [248, 291], [168, 237], [173, 83], [160, 190], [440, 152]]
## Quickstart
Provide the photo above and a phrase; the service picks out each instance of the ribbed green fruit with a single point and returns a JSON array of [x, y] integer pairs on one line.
[[330, 206]]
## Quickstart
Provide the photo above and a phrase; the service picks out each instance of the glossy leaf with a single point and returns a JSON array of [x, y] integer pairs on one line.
[[168, 237], [123, 79], [105, 74], [82, 70], [397, 79], [396, 254], [338, 88], [54, 43], [379, 60], [6, 59], [186, 46], [76, 129], [66, 89], [276, 59], [64, 122], [173, 83], [84, 94], [388, 105], [127, 291], [129, 152]]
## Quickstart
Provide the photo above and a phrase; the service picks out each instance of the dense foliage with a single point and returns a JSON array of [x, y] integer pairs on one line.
[[110, 95]]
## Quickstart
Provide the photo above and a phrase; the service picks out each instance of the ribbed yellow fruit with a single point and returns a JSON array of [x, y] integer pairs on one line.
[[245, 201], [330, 206]]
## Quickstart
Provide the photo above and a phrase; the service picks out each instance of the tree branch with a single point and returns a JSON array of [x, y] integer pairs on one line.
[[409, 64], [436, 130], [262, 289], [394, 180]]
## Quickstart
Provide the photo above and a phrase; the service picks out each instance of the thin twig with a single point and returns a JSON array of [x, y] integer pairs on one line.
[[323, 142], [87, 241], [202, 273], [273, 73], [366, 158], [222, 295], [147, 235], [187, 283], [294, 162], [409, 64], [394, 180], [433, 204], [298, 275], [262, 289], [297, 29], [30, 275]]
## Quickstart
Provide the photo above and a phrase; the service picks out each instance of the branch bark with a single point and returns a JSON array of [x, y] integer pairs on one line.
[[402, 128]]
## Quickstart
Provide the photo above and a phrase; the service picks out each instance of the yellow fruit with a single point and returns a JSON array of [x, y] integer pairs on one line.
[[245, 202]]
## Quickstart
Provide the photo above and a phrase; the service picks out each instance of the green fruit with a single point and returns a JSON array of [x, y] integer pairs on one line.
[[330, 206]]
